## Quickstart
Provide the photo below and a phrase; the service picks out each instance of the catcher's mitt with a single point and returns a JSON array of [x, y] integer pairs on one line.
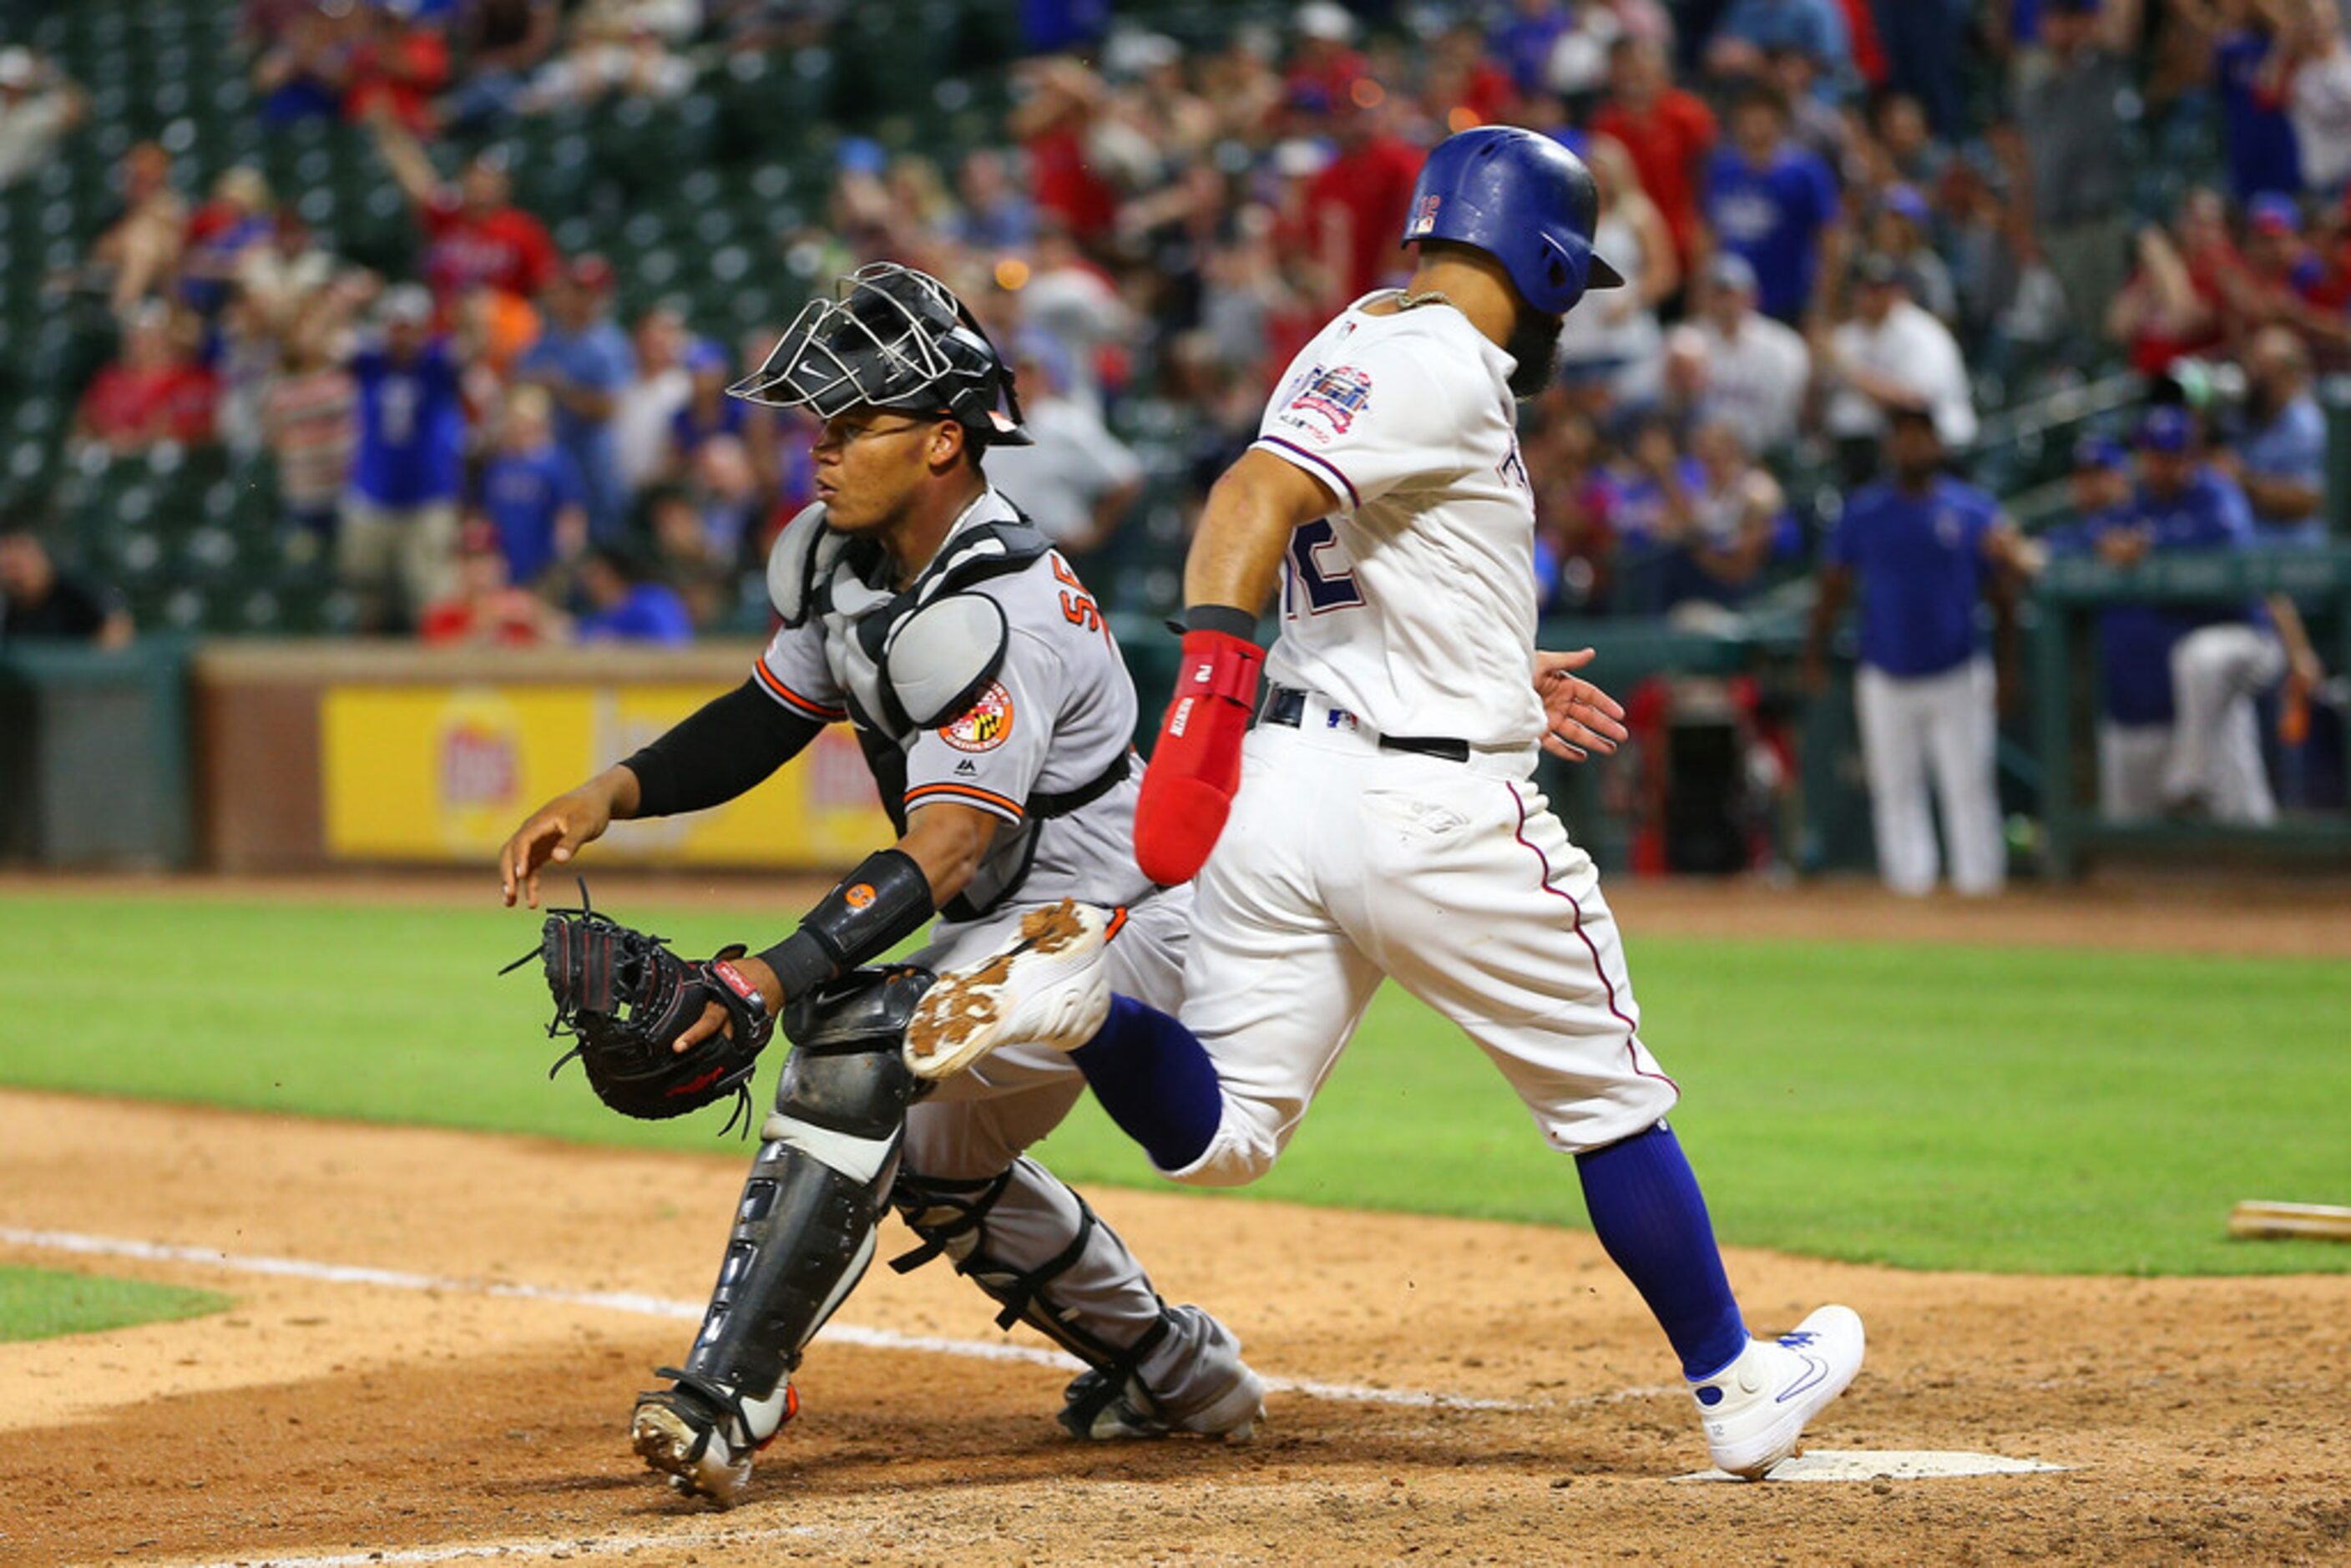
[[625, 998]]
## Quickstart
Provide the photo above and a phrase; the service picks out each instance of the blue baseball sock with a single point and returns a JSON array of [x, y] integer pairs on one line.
[[1151, 1074], [1649, 1215]]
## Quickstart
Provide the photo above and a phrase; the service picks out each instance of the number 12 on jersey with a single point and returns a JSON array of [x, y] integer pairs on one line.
[[1322, 590]]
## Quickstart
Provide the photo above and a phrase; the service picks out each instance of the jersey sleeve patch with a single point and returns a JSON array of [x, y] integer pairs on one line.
[[1327, 406], [986, 725]]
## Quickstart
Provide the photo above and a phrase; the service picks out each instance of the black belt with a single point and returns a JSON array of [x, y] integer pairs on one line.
[[1286, 705], [1044, 805]]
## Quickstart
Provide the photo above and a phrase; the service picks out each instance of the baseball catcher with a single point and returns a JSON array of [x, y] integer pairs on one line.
[[918, 605]]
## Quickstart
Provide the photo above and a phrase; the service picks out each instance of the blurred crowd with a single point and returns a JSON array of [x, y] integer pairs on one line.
[[1829, 211]]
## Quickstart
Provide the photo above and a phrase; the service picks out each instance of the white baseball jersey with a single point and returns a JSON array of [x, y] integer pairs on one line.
[[1413, 604], [1410, 612]]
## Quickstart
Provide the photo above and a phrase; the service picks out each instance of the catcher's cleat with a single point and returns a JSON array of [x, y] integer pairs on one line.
[[1095, 1409], [699, 1435], [1047, 988], [1754, 1410]]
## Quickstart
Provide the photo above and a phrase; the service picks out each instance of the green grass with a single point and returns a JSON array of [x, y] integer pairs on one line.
[[38, 1303], [1928, 1107]]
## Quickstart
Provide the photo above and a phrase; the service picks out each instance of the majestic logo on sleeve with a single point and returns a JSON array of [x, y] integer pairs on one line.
[[1333, 397], [986, 725]]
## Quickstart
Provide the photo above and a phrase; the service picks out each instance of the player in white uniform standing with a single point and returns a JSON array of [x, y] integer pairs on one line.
[[1380, 819]]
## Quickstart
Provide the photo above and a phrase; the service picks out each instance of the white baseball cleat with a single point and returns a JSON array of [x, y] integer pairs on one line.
[[1048, 988], [1754, 1410]]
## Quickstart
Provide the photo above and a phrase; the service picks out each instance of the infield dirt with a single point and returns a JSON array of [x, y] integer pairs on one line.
[[2197, 1418]]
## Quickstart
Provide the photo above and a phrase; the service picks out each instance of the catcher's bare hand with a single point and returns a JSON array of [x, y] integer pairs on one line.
[[553, 834], [1580, 718], [713, 1017]]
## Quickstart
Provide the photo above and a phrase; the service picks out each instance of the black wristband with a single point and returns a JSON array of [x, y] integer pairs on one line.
[[1224, 618], [884, 900]]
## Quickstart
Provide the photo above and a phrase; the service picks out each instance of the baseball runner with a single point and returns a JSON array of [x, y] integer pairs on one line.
[[1379, 818], [1927, 549], [995, 713]]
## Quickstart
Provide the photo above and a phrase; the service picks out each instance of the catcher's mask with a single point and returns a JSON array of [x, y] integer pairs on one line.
[[896, 339]]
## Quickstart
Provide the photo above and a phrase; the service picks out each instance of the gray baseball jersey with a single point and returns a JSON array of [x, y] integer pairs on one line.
[[1055, 721]]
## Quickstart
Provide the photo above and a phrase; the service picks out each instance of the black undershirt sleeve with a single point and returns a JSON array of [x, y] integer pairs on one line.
[[720, 750]]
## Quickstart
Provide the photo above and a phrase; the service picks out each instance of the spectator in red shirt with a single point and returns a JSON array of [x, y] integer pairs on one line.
[[1668, 131], [474, 236], [1359, 203], [396, 69], [486, 607], [154, 392], [1051, 124]]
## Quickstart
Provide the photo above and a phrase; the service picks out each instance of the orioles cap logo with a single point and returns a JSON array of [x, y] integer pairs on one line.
[[860, 896]]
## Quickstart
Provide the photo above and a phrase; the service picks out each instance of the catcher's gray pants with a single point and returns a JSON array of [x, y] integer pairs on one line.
[[973, 1130]]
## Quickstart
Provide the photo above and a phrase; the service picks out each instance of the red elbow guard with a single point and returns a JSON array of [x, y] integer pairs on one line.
[[1195, 768]]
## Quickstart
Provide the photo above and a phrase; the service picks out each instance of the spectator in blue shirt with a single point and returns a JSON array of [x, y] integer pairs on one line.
[[707, 411], [1927, 549], [1728, 524], [1926, 44], [397, 549], [1525, 42], [993, 212], [1775, 203], [2135, 644], [2252, 75], [531, 491], [2280, 444], [1750, 30], [584, 360], [625, 604], [2228, 653]]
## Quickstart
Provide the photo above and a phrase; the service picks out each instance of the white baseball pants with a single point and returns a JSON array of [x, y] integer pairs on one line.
[[2131, 762], [1945, 727], [1342, 863], [2216, 742]]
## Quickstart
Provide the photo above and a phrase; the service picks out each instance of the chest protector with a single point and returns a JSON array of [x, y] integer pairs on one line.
[[918, 658]]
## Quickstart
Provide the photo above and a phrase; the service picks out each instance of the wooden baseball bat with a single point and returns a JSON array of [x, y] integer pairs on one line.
[[2258, 1221]]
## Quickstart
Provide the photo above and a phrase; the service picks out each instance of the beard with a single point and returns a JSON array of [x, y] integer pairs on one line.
[[1534, 344]]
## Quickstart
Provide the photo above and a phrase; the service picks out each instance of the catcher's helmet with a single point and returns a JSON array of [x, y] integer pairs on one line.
[[1523, 199], [896, 339]]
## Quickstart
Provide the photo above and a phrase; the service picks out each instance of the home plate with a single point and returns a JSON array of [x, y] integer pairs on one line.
[[1892, 1465]]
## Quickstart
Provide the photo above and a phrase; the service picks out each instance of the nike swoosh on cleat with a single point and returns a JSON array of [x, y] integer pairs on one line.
[[1816, 1372]]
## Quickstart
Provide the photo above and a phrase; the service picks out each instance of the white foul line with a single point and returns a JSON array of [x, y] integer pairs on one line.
[[661, 1307]]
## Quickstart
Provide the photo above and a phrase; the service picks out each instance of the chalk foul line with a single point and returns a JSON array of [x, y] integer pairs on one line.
[[643, 1305]]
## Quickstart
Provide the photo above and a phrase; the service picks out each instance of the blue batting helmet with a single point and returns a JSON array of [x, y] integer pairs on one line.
[[1523, 199]]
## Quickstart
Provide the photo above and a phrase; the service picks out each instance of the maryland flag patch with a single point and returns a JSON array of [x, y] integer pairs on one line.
[[986, 725]]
